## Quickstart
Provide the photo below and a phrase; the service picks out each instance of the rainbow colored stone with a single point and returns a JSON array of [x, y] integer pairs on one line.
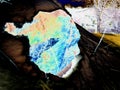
[[53, 40]]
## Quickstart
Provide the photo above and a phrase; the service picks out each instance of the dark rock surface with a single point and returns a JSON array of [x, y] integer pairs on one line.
[[100, 70], [96, 71]]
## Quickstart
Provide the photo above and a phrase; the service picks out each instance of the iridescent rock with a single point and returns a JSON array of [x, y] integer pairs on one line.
[[53, 38]]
